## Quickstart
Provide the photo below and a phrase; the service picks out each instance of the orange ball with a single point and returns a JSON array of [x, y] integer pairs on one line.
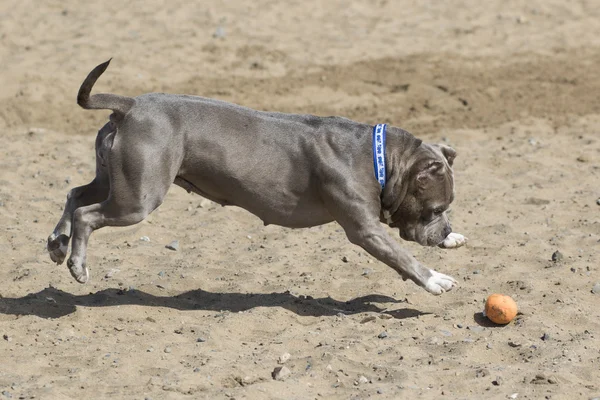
[[500, 308]]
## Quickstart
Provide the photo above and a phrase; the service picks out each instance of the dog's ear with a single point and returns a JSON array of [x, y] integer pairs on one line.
[[430, 173], [448, 152]]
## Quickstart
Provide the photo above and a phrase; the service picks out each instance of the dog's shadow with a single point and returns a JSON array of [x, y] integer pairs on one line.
[[55, 303]]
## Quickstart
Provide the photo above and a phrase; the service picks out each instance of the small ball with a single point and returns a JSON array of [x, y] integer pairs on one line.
[[500, 308]]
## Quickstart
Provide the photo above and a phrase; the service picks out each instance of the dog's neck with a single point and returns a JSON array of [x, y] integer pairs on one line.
[[400, 148]]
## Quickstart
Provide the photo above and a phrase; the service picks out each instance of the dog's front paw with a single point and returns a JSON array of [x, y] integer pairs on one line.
[[454, 241], [439, 283], [57, 247]]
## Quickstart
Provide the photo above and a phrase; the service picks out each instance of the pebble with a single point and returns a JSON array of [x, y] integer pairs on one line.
[[545, 337], [497, 382], [379, 391], [521, 19], [480, 373], [7, 394], [363, 379], [557, 256], [7, 338], [445, 333], [110, 273], [161, 274], [345, 259], [200, 340], [476, 328], [382, 335], [280, 373], [513, 396], [489, 346], [543, 379], [598, 202], [596, 288], [283, 358], [196, 369], [433, 341], [145, 239], [219, 33], [367, 271], [204, 203], [167, 349], [174, 245], [514, 344]]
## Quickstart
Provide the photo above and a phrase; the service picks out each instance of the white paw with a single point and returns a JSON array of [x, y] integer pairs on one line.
[[454, 241], [439, 283]]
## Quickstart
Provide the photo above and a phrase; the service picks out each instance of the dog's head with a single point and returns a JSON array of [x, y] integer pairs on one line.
[[421, 216]]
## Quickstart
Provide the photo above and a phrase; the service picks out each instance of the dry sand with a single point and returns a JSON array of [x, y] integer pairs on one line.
[[513, 86]]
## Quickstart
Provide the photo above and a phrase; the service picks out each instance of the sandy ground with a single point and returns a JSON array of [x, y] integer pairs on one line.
[[512, 85]]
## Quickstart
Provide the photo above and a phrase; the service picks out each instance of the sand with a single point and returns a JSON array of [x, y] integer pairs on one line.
[[513, 87]]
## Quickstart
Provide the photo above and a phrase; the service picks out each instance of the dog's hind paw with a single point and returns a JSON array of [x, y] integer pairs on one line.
[[454, 241], [57, 247], [78, 270], [439, 283]]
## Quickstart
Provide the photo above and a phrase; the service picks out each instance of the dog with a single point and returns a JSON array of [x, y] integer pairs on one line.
[[288, 169]]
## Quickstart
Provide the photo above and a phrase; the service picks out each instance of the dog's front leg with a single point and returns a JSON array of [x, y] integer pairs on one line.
[[357, 208], [377, 242]]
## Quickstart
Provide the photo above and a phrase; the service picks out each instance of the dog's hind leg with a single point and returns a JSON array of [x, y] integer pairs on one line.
[[94, 192], [88, 219], [139, 180], [58, 241]]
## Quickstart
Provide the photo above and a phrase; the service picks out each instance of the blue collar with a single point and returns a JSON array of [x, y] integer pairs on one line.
[[379, 153]]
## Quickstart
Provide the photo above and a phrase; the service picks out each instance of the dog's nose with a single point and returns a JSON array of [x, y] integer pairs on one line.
[[447, 230]]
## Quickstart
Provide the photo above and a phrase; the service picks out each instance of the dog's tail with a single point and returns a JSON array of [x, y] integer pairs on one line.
[[103, 101]]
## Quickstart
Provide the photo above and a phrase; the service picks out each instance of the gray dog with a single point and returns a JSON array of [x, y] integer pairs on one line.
[[290, 170]]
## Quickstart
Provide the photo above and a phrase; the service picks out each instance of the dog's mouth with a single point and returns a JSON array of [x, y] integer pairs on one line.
[[414, 237], [436, 240], [424, 239], [438, 243], [404, 235]]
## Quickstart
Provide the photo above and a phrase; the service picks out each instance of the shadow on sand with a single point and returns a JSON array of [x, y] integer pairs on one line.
[[55, 303]]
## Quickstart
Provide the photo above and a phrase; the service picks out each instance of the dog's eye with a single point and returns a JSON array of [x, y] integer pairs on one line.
[[438, 211]]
